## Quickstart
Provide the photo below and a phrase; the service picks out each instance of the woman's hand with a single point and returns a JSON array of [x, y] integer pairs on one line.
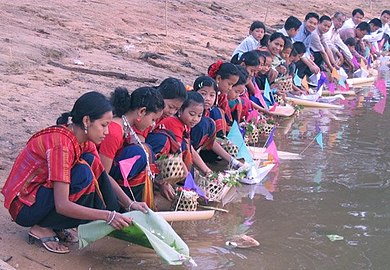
[[140, 206], [167, 191], [118, 221]]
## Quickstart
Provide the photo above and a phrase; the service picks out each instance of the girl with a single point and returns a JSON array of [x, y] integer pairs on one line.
[[225, 75], [187, 117], [58, 181], [174, 93], [140, 110], [203, 134], [237, 105]]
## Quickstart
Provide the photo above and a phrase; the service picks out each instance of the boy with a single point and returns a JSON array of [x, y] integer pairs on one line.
[[290, 28], [251, 42]]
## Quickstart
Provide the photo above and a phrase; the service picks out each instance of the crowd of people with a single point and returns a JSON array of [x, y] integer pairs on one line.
[[70, 173]]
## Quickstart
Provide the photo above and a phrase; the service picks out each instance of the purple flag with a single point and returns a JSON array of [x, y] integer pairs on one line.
[[331, 87], [322, 80], [190, 184]]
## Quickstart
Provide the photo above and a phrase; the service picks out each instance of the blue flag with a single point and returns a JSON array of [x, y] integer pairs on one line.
[[387, 46], [318, 139], [267, 90], [297, 80], [236, 138], [367, 52]]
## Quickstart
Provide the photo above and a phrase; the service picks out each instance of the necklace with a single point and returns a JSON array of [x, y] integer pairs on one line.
[[129, 132]]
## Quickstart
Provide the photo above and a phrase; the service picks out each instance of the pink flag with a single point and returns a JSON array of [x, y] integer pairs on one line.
[[273, 108], [125, 166], [331, 87], [253, 115], [355, 62], [381, 86], [380, 106], [260, 96], [271, 149]]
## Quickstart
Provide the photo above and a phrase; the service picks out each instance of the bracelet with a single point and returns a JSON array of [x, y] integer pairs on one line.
[[130, 205], [112, 218]]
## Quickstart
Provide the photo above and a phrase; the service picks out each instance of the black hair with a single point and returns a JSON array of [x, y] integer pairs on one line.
[[264, 40], [91, 104], [249, 59], [312, 15], [243, 75], [203, 81], [325, 18], [149, 97], [292, 23], [225, 70], [357, 10], [363, 26], [299, 47], [264, 54], [350, 41], [193, 97], [287, 44], [255, 25], [277, 35], [386, 11], [338, 14], [172, 88], [376, 22]]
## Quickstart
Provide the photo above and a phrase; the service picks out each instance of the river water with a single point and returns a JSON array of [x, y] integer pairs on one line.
[[342, 190]]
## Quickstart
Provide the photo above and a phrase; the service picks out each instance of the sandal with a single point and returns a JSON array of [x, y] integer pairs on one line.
[[32, 238], [66, 236]]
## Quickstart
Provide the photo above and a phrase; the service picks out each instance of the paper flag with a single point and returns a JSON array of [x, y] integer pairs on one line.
[[304, 83], [367, 53], [318, 139], [331, 87], [355, 62], [335, 74], [267, 90], [314, 78], [273, 108], [363, 64], [387, 46], [297, 80], [381, 86], [343, 74], [271, 149], [323, 79], [125, 166], [190, 184], [342, 83], [236, 138], [259, 95], [380, 106], [254, 114], [369, 61]]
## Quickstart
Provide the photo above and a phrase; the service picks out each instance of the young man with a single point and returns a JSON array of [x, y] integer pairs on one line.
[[318, 45], [306, 65], [290, 28], [357, 33], [357, 17]]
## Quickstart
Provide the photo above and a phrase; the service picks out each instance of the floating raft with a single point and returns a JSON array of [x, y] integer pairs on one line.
[[285, 111], [338, 92], [259, 153], [359, 81], [308, 103], [186, 215]]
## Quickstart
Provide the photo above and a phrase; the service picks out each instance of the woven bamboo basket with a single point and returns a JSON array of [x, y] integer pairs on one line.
[[188, 201], [253, 137], [284, 84], [213, 189], [266, 128], [230, 148], [279, 99], [171, 169]]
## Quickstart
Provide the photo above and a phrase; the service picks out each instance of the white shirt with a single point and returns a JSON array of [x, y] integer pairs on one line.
[[248, 44], [333, 40], [348, 24]]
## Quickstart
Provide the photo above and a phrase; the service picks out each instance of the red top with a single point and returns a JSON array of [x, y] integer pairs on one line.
[[48, 157], [176, 126], [113, 142]]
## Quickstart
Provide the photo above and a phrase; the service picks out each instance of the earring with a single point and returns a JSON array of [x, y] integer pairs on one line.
[[138, 119], [85, 129]]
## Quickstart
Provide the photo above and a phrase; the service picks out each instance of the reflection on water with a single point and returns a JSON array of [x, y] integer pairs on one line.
[[342, 190]]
